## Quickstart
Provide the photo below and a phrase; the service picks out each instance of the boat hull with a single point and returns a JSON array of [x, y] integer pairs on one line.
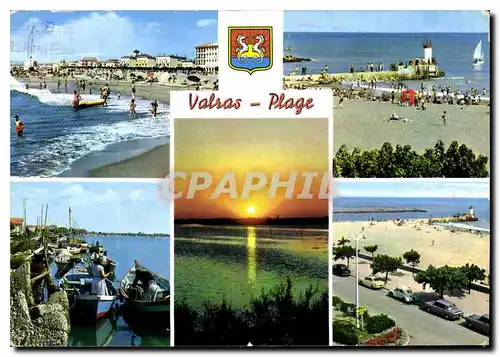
[[89, 104], [92, 307]]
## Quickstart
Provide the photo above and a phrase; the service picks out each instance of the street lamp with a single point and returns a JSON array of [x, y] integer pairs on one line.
[[356, 237]]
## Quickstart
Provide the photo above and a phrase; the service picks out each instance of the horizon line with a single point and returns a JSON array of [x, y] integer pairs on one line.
[[392, 32]]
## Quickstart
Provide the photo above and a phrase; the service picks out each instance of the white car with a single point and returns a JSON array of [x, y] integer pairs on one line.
[[371, 282], [403, 293]]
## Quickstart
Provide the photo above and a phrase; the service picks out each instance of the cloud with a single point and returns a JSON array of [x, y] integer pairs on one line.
[[97, 34], [73, 190], [135, 195], [206, 22]]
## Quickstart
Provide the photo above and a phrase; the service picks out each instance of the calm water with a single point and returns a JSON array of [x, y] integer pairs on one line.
[[453, 53], [56, 135], [154, 254], [436, 207], [238, 262]]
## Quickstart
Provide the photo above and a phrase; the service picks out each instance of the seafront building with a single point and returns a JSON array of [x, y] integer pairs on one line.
[[207, 56]]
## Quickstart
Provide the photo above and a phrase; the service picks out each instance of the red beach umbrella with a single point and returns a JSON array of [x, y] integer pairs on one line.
[[405, 94]]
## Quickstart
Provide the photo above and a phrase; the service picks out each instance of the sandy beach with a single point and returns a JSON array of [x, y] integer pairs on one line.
[[454, 249], [152, 164], [363, 124]]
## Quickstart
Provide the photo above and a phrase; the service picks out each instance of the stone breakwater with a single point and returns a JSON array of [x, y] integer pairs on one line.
[[379, 210], [43, 325]]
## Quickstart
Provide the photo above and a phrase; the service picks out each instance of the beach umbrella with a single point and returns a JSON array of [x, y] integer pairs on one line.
[[194, 78], [412, 96]]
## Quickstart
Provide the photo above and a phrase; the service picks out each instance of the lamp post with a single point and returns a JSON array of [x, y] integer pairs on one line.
[[356, 238]]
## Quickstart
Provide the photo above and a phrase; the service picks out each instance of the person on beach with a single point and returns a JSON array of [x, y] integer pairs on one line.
[[41, 85], [44, 85], [27, 86], [133, 91], [118, 95], [19, 125], [66, 84], [444, 118], [393, 96], [484, 92], [132, 108], [58, 84], [99, 286]]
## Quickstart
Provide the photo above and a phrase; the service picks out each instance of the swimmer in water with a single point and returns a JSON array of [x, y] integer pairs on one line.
[[19, 125], [132, 108], [154, 108]]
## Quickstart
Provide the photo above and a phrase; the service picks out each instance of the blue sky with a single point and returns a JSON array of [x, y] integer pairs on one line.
[[98, 206], [477, 188], [105, 34], [386, 21]]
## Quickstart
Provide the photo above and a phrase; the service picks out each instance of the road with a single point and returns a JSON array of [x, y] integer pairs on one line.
[[424, 328]]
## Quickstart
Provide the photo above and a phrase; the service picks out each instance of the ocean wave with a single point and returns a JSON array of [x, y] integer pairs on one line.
[[455, 78], [58, 153]]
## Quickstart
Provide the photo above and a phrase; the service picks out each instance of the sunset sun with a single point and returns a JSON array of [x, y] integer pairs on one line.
[[251, 210]]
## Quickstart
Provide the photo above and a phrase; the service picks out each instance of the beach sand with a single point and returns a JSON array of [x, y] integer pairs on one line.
[[453, 249], [152, 164], [363, 124]]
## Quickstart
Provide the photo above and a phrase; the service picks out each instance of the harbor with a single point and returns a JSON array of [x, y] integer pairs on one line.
[[70, 289]]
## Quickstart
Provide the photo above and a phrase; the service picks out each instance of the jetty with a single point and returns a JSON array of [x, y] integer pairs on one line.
[[294, 59], [378, 210]]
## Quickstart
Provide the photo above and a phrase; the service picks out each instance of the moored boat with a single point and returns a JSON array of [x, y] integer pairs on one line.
[[146, 296]]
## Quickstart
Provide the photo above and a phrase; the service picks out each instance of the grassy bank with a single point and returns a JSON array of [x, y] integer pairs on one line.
[[275, 318]]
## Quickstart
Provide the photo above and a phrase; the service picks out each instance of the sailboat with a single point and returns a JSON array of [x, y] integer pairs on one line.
[[288, 44], [478, 57]]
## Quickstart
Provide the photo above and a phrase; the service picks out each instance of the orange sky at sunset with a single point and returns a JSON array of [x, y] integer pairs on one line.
[[241, 146]]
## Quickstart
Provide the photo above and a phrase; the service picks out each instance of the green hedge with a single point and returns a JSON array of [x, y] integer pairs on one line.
[[379, 323], [345, 333]]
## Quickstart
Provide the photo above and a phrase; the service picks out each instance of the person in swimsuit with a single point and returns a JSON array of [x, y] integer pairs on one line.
[[154, 108], [132, 108], [19, 125], [133, 91], [76, 99]]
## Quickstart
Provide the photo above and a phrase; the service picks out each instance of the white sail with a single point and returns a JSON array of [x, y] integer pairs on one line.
[[288, 44], [478, 52]]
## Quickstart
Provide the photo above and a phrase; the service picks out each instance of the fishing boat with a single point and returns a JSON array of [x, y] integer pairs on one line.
[[83, 305], [89, 103], [288, 44], [478, 57], [146, 296]]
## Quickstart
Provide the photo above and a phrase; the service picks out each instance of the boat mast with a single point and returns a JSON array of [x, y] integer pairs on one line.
[[24, 214], [69, 224]]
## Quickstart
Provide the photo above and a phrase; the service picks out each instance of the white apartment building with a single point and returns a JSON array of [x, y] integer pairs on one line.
[[187, 64], [128, 61], [170, 61], [111, 63], [207, 56]]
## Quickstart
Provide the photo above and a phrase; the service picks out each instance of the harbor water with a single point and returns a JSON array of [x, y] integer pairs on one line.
[[154, 254]]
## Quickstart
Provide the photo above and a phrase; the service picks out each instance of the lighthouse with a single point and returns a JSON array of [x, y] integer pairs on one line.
[[428, 52], [471, 211]]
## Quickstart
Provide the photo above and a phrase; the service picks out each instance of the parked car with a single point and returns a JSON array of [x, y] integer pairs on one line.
[[341, 270], [403, 293], [444, 308], [479, 323], [371, 282]]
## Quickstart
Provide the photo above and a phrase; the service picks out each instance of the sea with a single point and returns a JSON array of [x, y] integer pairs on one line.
[[154, 254], [57, 138], [435, 207], [453, 52], [237, 263]]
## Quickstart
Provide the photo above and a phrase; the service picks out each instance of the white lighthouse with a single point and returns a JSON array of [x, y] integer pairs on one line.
[[471, 211], [428, 52]]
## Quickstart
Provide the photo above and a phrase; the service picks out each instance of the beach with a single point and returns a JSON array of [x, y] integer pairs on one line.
[[451, 248], [364, 124], [106, 144], [152, 164]]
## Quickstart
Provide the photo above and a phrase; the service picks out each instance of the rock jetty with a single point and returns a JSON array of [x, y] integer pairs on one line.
[[293, 59], [379, 210], [43, 325]]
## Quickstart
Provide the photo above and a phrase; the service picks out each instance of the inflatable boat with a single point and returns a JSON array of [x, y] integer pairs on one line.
[[88, 104]]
